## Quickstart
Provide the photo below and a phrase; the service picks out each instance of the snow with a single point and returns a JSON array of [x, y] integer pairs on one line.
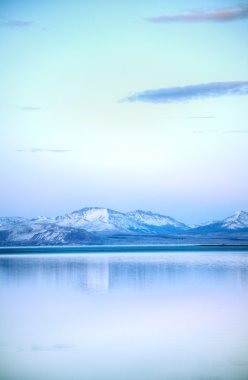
[[99, 219], [11, 220], [236, 221], [147, 217], [91, 219], [104, 220]]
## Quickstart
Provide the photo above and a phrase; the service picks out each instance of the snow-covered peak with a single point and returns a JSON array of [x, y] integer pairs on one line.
[[91, 214], [42, 219], [238, 220], [104, 219], [11, 220], [153, 219], [93, 219]]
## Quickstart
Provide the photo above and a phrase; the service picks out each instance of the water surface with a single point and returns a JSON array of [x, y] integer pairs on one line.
[[150, 315]]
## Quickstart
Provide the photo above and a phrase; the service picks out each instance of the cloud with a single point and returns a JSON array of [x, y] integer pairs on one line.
[[217, 15], [30, 108], [16, 23], [53, 347], [45, 150], [194, 92], [237, 131], [202, 117], [206, 131]]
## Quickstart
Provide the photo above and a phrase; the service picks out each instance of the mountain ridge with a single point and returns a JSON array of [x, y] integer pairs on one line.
[[99, 225]]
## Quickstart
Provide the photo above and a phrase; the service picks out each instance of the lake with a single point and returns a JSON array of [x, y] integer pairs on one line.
[[124, 314]]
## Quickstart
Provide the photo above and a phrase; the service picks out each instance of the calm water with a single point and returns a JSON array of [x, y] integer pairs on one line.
[[175, 315]]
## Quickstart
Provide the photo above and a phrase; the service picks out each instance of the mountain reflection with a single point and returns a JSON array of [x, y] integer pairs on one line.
[[103, 273]]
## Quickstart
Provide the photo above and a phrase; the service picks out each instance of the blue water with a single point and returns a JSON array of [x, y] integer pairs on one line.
[[124, 313]]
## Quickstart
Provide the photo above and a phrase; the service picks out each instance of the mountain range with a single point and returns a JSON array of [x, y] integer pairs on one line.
[[97, 225]]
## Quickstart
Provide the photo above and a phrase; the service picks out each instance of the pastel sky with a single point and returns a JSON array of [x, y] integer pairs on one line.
[[135, 104]]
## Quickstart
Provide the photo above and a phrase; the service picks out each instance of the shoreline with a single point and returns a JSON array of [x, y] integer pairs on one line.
[[122, 248]]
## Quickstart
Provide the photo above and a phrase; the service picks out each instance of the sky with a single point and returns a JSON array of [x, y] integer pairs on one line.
[[135, 104]]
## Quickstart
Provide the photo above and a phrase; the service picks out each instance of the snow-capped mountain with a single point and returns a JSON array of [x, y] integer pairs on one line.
[[151, 219], [10, 221], [236, 221], [42, 219], [97, 225], [41, 233], [98, 219]]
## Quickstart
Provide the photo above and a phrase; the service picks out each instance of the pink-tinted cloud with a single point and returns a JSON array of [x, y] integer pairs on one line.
[[216, 15]]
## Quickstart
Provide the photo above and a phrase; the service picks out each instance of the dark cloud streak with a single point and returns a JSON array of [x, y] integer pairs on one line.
[[193, 92], [217, 15]]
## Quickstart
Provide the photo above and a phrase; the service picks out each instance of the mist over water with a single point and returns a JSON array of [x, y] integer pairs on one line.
[[150, 316]]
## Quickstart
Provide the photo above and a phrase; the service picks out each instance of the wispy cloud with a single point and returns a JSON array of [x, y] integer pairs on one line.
[[202, 117], [194, 92], [199, 132], [16, 23], [237, 131], [205, 131], [38, 150], [30, 108], [216, 15]]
